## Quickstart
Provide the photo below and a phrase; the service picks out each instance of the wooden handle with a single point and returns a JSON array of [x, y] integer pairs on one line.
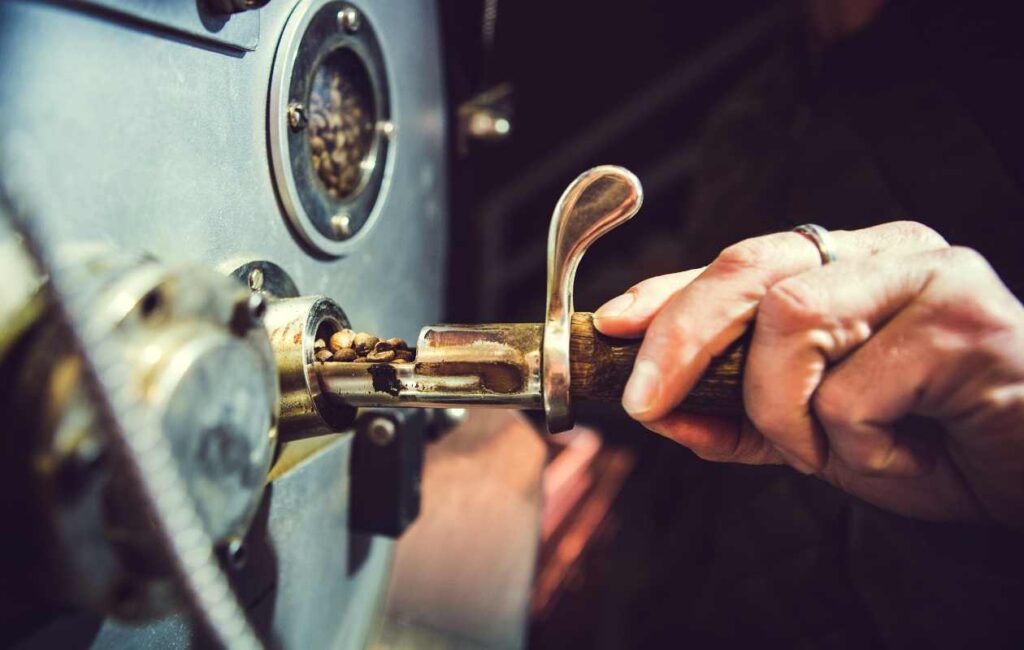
[[600, 366]]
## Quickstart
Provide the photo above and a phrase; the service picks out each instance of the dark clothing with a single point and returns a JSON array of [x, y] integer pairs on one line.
[[919, 116]]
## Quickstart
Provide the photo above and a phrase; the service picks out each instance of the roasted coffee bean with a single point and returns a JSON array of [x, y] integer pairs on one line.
[[342, 125], [364, 342], [346, 354], [342, 339], [381, 357], [347, 346], [323, 355]]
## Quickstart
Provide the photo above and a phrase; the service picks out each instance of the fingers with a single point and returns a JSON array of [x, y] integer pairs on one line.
[[934, 358], [700, 320], [807, 324], [718, 438], [705, 316], [627, 315]]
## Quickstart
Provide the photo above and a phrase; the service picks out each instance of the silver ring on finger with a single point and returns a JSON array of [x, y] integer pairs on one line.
[[822, 240]]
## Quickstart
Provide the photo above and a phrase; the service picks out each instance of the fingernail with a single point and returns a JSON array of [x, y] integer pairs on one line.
[[615, 306], [642, 389]]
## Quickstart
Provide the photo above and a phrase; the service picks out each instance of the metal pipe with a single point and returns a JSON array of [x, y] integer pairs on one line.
[[492, 365]]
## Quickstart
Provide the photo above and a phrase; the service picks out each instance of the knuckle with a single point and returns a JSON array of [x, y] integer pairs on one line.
[[836, 408], [640, 288], [919, 232], [969, 299], [717, 450], [771, 419], [747, 255], [867, 462], [874, 462], [793, 304], [833, 405], [962, 259]]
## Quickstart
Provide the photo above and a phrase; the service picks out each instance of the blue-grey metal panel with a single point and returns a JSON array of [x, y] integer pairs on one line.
[[189, 17], [150, 141]]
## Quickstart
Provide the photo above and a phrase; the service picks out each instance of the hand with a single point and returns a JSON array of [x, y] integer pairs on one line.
[[841, 355]]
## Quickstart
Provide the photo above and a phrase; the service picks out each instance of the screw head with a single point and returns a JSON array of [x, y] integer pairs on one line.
[[256, 279], [386, 128], [297, 118], [381, 431], [341, 224], [234, 552], [248, 313], [349, 19]]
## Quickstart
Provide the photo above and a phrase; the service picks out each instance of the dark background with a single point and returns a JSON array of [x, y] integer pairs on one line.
[[735, 129], [595, 83]]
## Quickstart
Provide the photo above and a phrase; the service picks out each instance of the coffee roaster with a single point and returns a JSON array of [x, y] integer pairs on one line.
[[185, 183], [202, 202]]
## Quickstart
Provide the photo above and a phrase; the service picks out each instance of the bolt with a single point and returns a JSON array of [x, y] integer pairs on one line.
[[386, 128], [341, 224], [249, 312], [297, 118], [234, 552], [381, 431], [349, 20], [256, 279]]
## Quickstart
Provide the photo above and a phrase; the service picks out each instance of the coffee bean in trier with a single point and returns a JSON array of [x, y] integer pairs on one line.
[[348, 346]]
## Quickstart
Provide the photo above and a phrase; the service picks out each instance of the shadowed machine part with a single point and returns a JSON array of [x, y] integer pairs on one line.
[[301, 141]]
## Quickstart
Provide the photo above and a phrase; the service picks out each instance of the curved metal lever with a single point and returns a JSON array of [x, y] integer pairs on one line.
[[595, 203]]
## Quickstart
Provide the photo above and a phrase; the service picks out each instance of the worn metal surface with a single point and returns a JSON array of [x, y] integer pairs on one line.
[[151, 140], [494, 365], [170, 153], [210, 390], [293, 325], [318, 562], [189, 17], [463, 572], [329, 579]]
